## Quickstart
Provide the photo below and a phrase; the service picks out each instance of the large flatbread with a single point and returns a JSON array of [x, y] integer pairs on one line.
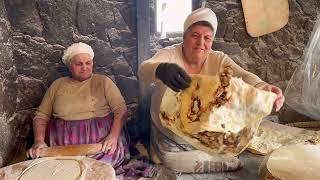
[[271, 136], [216, 116], [265, 16], [63, 167], [295, 162]]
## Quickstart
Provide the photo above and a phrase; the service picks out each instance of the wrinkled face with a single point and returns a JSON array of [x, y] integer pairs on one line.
[[197, 42], [81, 66]]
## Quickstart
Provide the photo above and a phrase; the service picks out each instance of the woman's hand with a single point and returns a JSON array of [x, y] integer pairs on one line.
[[173, 76], [34, 152], [109, 144], [278, 103]]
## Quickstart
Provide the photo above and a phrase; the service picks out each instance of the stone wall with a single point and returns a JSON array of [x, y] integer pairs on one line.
[[8, 86], [33, 36]]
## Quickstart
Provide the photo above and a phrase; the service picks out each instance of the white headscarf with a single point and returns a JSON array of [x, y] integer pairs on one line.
[[75, 49], [202, 14]]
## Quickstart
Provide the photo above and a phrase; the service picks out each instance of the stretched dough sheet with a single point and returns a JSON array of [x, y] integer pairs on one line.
[[265, 16], [197, 117], [294, 162], [271, 136], [63, 167]]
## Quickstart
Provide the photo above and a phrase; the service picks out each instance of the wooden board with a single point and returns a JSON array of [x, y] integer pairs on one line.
[[71, 150]]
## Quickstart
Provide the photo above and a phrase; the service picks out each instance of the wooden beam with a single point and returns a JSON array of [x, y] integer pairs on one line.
[[143, 30]]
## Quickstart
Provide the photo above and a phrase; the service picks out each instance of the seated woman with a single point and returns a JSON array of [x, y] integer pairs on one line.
[[82, 109]]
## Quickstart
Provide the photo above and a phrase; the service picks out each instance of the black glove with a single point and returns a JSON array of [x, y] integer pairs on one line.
[[173, 76]]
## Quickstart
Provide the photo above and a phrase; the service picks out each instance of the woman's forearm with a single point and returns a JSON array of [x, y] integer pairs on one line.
[[261, 85], [39, 129], [119, 118]]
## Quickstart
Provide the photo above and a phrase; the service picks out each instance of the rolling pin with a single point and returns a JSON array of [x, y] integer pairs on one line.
[[71, 150]]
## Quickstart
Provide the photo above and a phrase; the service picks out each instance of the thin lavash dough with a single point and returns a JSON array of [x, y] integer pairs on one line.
[[54, 168], [295, 162], [271, 136], [66, 167]]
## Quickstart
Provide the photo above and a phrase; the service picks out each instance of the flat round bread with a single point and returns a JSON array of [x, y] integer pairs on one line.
[[216, 114], [295, 162], [265, 16], [55, 169], [271, 136], [64, 167]]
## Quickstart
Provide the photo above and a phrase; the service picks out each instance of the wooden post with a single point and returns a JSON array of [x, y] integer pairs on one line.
[[143, 37], [143, 29]]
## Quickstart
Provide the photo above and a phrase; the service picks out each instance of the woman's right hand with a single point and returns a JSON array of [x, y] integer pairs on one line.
[[34, 151], [173, 76]]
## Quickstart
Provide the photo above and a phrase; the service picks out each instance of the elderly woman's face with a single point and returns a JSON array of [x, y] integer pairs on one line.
[[197, 43], [81, 66]]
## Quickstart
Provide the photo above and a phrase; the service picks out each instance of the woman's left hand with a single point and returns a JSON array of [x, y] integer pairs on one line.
[[278, 103], [109, 144]]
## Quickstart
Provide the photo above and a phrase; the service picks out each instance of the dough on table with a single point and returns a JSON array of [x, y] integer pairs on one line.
[[64, 167]]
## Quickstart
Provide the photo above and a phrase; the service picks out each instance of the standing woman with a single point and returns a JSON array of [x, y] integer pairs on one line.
[[82, 109]]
